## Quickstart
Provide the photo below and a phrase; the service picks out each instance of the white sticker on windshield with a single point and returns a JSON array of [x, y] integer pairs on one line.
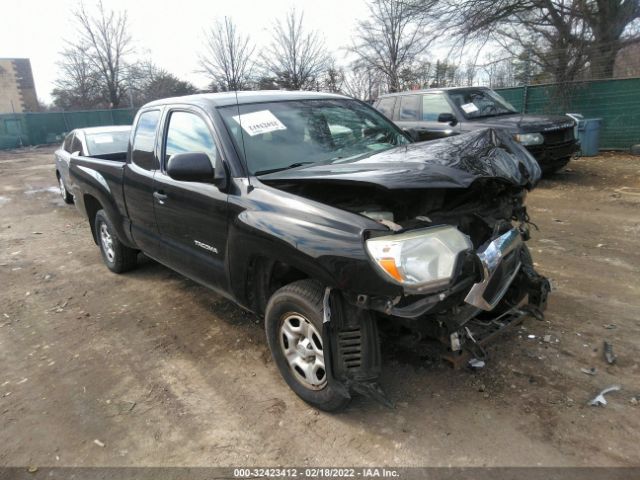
[[257, 123], [469, 108], [102, 139]]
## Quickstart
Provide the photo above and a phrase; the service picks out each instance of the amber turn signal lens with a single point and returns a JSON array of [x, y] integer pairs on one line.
[[389, 264]]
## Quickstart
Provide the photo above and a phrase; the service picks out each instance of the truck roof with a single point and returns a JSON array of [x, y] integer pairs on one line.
[[243, 97], [432, 90]]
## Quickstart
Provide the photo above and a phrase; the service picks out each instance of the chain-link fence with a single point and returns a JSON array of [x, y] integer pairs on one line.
[[24, 129]]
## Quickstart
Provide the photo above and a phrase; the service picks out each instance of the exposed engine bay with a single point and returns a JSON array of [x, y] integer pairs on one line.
[[488, 211], [482, 211]]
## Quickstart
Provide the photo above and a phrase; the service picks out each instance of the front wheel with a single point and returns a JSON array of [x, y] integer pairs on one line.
[[293, 324], [117, 257]]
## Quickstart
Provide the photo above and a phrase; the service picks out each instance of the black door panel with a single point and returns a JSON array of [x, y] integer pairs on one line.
[[138, 179], [191, 216]]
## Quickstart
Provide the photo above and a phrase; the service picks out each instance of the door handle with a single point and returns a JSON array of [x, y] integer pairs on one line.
[[160, 196]]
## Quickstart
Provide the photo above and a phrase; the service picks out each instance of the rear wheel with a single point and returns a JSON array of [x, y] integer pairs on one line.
[[117, 257], [293, 324], [64, 193]]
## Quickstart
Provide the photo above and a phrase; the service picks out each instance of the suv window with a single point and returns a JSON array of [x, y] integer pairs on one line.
[[76, 145], [433, 105], [66, 145], [409, 107], [144, 140], [386, 106], [187, 132]]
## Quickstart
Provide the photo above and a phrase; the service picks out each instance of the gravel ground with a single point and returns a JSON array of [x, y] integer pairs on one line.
[[149, 368]]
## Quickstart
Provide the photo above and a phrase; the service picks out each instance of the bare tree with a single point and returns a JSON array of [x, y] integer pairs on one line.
[[106, 42], [148, 82], [391, 39], [295, 58], [77, 86], [566, 39], [228, 57], [613, 26], [333, 78], [362, 83]]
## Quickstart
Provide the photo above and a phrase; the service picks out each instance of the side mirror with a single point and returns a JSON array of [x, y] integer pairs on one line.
[[447, 118], [190, 167]]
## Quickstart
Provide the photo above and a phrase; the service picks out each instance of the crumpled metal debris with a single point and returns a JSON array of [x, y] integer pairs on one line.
[[609, 356], [589, 371], [599, 399], [476, 363]]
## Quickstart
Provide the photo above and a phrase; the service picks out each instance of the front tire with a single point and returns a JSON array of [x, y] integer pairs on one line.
[[293, 324], [117, 257]]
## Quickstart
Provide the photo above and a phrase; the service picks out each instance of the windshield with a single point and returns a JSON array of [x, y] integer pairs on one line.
[[280, 135], [477, 103], [104, 143]]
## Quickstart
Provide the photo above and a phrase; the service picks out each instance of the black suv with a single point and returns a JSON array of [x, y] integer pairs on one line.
[[436, 113]]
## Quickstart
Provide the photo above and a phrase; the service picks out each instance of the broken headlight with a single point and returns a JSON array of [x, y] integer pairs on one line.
[[529, 138], [419, 259]]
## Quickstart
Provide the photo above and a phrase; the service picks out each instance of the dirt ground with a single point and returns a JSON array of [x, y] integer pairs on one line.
[[161, 371]]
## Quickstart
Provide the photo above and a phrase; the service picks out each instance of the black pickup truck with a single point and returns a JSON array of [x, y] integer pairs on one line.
[[317, 213]]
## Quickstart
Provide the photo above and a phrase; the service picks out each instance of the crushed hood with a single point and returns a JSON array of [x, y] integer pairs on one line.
[[454, 162]]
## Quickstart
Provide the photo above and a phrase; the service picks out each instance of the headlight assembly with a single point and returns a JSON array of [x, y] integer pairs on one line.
[[529, 138], [420, 259]]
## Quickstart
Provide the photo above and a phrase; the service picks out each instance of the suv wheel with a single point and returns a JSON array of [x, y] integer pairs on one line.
[[293, 323], [117, 257]]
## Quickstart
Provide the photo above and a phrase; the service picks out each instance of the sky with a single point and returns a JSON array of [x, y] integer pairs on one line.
[[171, 33]]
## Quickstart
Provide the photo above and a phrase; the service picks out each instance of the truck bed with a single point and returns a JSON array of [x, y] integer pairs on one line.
[[101, 179]]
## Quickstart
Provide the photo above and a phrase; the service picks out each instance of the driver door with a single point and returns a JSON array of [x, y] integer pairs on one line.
[[191, 216]]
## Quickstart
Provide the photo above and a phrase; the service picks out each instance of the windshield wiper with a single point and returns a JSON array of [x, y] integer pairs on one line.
[[273, 170]]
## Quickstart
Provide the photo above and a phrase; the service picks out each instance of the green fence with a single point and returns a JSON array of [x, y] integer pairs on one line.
[[616, 102], [23, 129]]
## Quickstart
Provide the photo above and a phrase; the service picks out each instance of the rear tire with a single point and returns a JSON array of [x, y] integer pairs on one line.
[[64, 193], [293, 324], [117, 257]]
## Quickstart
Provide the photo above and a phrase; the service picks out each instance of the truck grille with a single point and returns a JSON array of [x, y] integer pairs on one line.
[[558, 136]]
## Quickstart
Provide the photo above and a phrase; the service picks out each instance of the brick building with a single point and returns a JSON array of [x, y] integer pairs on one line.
[[17, 89]]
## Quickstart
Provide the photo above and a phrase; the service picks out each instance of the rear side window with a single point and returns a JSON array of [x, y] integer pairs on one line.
[[386, 106], [144, 140], [409, 107], [189, 133], [433, 105]]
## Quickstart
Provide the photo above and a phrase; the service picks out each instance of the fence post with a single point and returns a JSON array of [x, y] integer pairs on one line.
[[525, 97]]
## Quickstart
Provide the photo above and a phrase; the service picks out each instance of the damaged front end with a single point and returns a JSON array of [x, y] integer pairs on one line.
[[455, 245]]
